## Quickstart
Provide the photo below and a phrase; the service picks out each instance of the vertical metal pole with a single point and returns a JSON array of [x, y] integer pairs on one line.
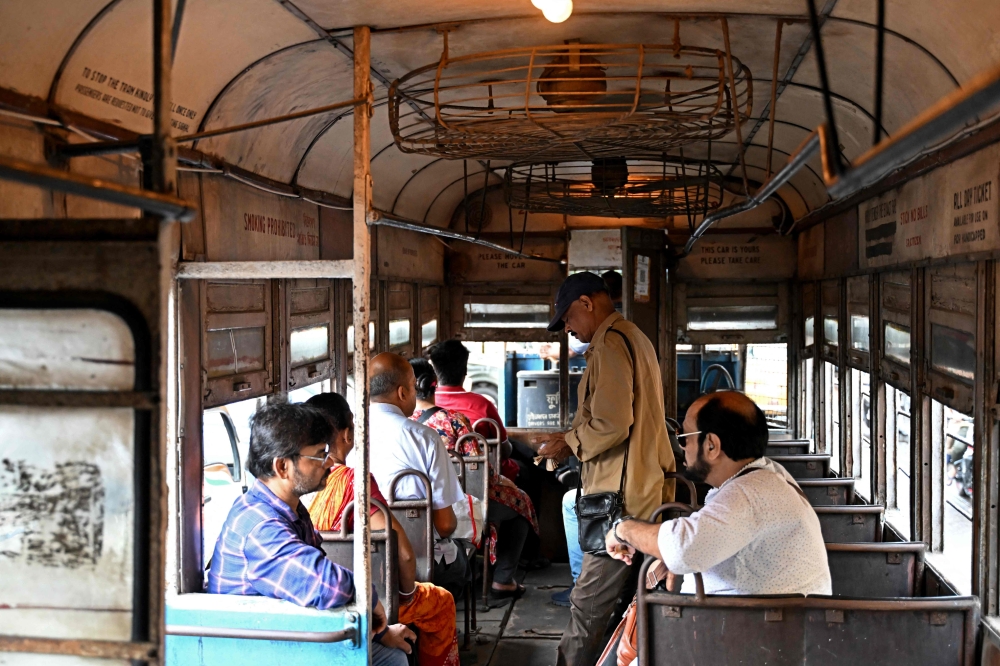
[[879, 67], [736, 105], [987, 496], [774, 98], [824, 82], [920, 418], [164, 151], [362, 294], [162, 178]]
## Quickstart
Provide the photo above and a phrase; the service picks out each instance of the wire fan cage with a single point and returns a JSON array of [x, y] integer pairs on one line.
[[568, 102], [616, 187]]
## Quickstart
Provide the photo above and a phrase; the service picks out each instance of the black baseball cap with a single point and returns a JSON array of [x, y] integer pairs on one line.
[[572, 288]]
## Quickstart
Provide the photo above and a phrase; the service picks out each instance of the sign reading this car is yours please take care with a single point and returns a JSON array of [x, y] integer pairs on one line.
[[949, 211]]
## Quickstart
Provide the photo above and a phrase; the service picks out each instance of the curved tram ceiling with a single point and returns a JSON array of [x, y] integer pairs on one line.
[[243, 60]]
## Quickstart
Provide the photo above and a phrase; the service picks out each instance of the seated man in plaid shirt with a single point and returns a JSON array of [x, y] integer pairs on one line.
[[268, 546]]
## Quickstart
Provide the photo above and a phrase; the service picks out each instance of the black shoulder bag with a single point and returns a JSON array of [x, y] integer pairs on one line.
[[596, 512], [428, 413]]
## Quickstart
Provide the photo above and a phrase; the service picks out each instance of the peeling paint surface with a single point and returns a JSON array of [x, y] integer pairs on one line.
[[66, 522], [89, 350]]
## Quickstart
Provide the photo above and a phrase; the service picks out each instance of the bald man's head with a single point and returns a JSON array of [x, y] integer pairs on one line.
[[391, 380], [735, 419]]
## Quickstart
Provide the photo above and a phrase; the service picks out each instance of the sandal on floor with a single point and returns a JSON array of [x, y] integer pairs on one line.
[[516, 593]]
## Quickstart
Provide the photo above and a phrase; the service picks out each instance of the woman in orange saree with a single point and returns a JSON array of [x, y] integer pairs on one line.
[[431, 609]]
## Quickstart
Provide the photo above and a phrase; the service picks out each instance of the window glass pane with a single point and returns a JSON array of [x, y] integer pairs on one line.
[[66, 522], [808, 414], [767, 381], [507, 315], [232, 351], [429, 332], [809, 327], [399, 332], [831, 414], [954, 560], [732, 317], [897, 343], [350, 337], [861, 431], [953, 351], [859, 332], [309, 344], [88, 350], [898, 460], [831, 331]]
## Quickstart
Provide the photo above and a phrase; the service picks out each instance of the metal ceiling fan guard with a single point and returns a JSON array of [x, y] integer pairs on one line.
[[616, 187], [568, 102]]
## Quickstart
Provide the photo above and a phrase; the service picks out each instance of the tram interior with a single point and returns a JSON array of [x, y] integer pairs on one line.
[[209, 206]]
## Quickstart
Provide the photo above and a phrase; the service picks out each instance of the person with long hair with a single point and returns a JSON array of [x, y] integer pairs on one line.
[[428, 607], [510, 508]]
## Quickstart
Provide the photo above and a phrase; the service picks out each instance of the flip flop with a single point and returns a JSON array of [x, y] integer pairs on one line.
[[516, 593]]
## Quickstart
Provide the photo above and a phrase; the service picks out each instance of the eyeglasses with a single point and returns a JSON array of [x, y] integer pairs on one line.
[[326, 455], [688, 434]]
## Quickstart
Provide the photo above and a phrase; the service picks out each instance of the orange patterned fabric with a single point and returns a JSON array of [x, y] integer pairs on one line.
[[329, 503], [432, 612]]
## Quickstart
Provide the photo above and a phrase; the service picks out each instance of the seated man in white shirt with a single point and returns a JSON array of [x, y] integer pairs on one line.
[[398, 443], [757, 533]]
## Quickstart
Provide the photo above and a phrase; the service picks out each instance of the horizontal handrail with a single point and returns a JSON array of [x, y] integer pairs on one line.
[[29, 173], [339, 636]]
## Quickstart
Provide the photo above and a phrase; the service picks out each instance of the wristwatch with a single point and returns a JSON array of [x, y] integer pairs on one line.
[[614, 529]]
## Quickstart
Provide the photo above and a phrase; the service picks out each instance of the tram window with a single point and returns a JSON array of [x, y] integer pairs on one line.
[[506, 315], [430, 313], [429, 333], [732, 317], [767, 381], [350, 337], [861, 424], [831, 414], [306, 392], [222, 477], [67, 494], [953, 352], [831, 331], [399, 332], [84, 350], [309, 344], [234, 351], [809, 331], [897, 464], [808, 399], [860, 332], [953, 490], [897, 343]]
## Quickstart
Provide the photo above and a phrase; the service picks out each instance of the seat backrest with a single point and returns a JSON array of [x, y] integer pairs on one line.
[[806, 466], [475, 474], [873, 570], [489, 430], [339, 549], [794, 447], [828, 492], [851, 524], [417, 521], [809, 631]]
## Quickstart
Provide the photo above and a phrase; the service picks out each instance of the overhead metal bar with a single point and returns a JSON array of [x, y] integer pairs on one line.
[[796, 162], [735, 103], [112, 147], [773, 107], [824, 81], [793, 67], [879, 68], [388, 220], [938, 123], [28, 173]]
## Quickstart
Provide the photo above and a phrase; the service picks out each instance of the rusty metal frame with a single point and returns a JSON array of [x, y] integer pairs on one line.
[[773, 108], [588, 124]]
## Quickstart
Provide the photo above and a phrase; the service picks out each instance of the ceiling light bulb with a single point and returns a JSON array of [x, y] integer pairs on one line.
[[557, 11]]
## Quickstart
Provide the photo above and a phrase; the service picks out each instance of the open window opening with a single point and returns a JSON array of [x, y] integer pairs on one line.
[[831, 415], [898, 460], [861, 425]]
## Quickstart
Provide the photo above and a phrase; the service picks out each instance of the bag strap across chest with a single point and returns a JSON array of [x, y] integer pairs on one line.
[[628, 439]]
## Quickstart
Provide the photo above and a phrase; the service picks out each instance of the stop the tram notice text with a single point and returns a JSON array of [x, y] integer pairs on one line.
[[129, 98], [951, 210]]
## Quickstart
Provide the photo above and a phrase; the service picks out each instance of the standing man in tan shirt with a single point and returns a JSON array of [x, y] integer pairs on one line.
[[620, 403]]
